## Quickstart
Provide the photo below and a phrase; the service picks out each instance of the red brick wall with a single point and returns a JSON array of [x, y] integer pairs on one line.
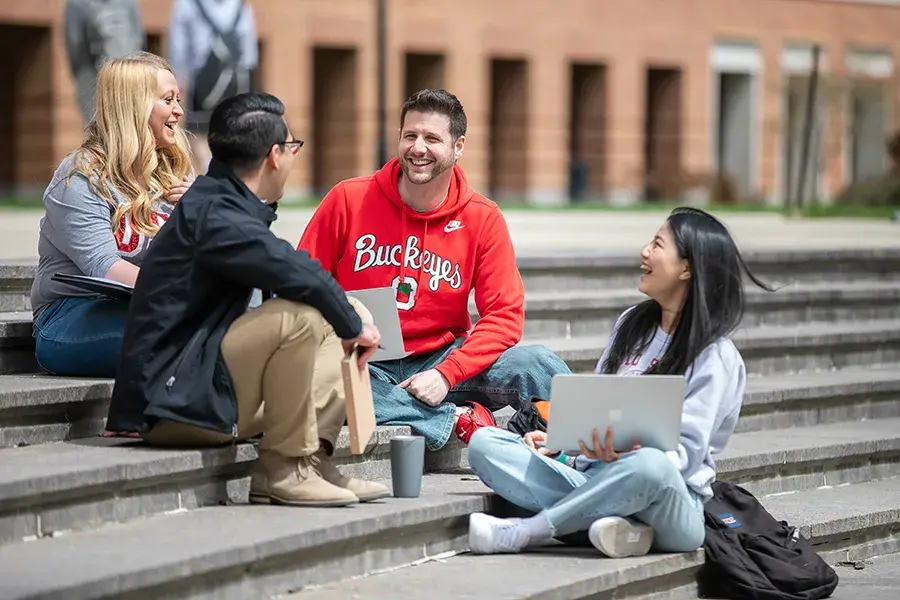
[[626, 37]]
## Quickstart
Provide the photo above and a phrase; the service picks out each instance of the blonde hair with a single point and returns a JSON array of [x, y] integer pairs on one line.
[[119, 149]]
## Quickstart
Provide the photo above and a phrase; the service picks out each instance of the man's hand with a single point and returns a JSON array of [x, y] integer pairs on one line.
[[175, 194], [429, 387], [606, 452], [367, 341]]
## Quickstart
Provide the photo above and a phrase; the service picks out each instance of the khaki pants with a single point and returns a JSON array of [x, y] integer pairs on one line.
[[285, 363]]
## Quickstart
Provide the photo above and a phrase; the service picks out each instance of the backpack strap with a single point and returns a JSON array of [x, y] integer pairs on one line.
[[205, 16]]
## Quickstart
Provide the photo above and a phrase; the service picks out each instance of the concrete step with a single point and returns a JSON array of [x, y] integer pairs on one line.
[[774, 349], [876, 579], [847, 523], [593, 312], [581, 271], [76, 485], [560, 573], [87, 482], [316, 554], [16, 343], [801, 399], [243, 552], [36, 409], [766, 350], [15, 285]]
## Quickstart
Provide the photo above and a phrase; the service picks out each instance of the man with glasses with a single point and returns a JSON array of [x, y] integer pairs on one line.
[[198, 368]]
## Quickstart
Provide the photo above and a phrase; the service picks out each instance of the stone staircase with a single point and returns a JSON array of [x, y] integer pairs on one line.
[[818, 440]]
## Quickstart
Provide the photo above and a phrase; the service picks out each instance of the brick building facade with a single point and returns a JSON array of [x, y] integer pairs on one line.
[[621, 99]]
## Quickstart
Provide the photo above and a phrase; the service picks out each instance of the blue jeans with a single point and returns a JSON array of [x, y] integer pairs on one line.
[[520, 373], [80, 337], [642, 484]]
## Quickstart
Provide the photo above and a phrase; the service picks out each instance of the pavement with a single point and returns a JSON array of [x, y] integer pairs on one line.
[[540, 231], [874, 579]]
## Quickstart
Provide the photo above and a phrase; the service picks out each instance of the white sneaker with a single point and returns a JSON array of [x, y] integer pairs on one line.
[[490, 535], [617, 537]]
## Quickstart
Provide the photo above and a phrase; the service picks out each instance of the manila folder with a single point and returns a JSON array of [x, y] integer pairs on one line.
[[360, 406]]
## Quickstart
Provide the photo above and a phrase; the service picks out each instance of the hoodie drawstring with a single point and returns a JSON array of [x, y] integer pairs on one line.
[[402, 286]]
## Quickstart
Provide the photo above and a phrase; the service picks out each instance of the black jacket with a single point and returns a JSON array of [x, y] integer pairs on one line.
[[195, 280]]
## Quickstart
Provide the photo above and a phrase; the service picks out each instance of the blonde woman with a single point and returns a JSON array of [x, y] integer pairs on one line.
[[104, 204]]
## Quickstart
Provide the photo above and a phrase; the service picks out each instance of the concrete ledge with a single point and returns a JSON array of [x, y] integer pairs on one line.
[[16, 330], [802, 458], [239, 551], [774, 350], [273, 550], [849, 522], [81, 484], [592, 313], [558, 573]]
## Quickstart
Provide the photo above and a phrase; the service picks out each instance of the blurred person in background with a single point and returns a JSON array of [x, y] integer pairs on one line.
[[96, 31], [213, 49], [102, 208]]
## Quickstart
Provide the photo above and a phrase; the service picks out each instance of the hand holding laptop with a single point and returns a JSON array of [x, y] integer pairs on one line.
[[606, 452], [538, 439]]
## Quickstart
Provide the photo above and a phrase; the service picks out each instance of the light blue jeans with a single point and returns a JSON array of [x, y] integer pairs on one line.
[[643, 484], [518, 374]]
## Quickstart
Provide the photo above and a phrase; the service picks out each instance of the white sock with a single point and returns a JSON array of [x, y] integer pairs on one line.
[[460, 410], [538, 527]]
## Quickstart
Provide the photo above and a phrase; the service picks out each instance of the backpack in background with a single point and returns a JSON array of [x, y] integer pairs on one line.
[[533, 417], [752, 556], [222, 75]]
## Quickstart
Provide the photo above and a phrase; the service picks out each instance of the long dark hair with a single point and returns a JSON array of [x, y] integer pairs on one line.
[[714, 304]]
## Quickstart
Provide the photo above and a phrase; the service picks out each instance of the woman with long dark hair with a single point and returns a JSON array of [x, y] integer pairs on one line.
[[633, 501]]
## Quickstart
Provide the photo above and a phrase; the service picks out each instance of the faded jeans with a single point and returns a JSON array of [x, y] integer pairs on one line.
[[518, 374], [642, 484]]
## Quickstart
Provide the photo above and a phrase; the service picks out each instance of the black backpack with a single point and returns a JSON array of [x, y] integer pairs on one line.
[[752, 556], [222, 74]]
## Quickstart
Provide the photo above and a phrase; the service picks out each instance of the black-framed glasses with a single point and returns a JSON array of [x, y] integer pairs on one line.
[[294, 145]]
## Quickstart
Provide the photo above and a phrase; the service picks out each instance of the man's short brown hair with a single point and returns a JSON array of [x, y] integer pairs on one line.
[[441, 102]]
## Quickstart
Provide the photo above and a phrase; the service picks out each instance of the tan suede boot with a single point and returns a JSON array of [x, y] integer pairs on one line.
[[366, 491], [295, 482]]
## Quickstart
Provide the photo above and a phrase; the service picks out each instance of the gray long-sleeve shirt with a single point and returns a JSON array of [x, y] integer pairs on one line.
[[77, 235]]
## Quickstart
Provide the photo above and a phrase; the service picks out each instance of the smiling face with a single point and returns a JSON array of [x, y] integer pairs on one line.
[[426, 148], [166, 109], [666, 275]]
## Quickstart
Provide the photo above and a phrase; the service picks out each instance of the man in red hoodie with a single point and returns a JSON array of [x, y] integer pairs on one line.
[[417, 226]]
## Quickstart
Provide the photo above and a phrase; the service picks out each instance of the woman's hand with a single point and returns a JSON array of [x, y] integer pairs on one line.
[[534, 438], [177, 191], [606, 453]]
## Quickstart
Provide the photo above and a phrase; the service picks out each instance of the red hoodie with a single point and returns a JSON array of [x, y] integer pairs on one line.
[[362, 229]]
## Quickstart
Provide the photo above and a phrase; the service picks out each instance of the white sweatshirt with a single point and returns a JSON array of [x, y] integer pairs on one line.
[[715, 390]]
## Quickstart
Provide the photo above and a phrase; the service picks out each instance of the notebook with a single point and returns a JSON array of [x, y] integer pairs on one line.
[[97, 285]]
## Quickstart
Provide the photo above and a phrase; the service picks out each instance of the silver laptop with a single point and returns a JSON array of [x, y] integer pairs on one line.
[[646, 408], [382, 303]]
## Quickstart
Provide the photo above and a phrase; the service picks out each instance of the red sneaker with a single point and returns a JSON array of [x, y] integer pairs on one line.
[[476, 417]]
